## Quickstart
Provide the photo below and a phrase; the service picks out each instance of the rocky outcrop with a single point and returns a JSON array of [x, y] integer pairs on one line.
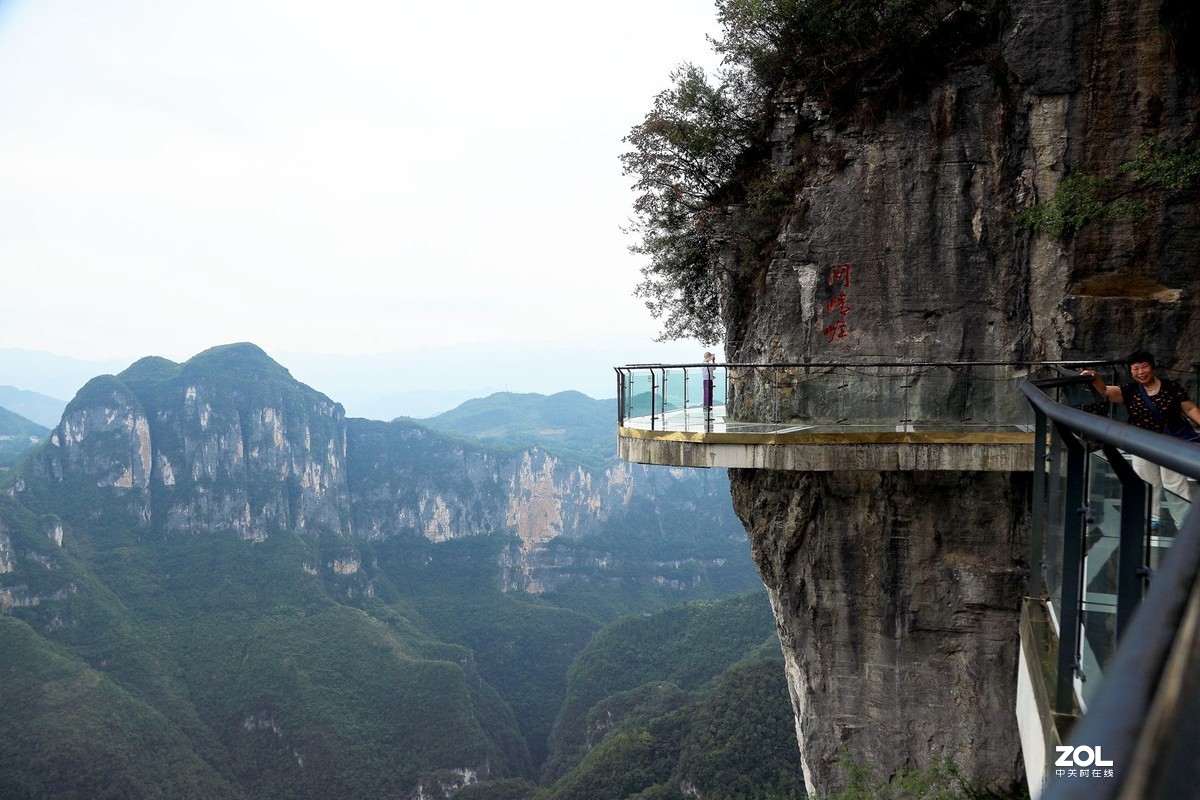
[[894, 595], [193, 451], [897, 595]]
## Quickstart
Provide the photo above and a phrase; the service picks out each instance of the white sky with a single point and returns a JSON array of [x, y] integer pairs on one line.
[[361, 177]]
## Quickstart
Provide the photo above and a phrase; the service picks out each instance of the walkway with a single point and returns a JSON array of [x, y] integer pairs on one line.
[[829, 417]]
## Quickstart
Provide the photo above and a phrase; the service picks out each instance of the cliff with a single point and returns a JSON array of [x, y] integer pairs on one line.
[[897, 595], [226, 442]]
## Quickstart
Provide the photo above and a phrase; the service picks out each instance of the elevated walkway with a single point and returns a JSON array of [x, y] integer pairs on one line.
[[829, 417], [823, 448], [1108, 685]]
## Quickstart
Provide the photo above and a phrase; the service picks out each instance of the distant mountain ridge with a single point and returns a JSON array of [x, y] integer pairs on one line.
[[42, 409], [567, 423]]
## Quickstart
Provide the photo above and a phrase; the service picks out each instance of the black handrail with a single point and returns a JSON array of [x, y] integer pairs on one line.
[[1133, 716], [1174, 454]]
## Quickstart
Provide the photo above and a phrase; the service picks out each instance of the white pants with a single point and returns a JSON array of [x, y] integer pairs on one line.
[[1158, 477]]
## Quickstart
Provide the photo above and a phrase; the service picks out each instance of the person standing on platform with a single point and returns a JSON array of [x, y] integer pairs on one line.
[[1157, 404], [710, 364]]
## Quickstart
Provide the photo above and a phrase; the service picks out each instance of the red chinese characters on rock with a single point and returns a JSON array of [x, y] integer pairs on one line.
[[839, 275]]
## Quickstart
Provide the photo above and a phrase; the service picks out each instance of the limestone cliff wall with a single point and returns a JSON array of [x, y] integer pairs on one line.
[[897, 595], [206, 459], [406, 479]]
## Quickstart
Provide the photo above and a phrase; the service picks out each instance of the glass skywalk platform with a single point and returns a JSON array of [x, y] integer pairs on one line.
[[699, 420], [826, 417]]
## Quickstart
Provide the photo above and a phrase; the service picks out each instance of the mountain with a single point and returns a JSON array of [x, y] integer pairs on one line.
[[569, 424], [686, 702], [416, 403], [39, 408], [214, 584], [17, 436]]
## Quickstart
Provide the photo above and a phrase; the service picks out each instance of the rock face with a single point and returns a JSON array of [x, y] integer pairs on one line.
[[897, 595], [408, 480], [225, 442], [894, 595]]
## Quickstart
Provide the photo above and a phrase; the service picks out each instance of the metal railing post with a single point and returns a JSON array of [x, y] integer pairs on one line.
[[623, 380], [1074, 514], [775, 394], [653, 398], [1054, 506], [1037, 544], [685, 390], [1131, 571]]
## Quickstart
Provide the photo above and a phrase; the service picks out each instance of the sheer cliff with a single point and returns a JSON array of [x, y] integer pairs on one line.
[[897, 595]]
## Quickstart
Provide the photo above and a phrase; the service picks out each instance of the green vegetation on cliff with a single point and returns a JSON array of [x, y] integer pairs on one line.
[[686, 646], [1082, 199], [692, 696]]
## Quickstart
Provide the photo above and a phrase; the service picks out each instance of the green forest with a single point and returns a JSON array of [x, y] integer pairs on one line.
[[150, 648]]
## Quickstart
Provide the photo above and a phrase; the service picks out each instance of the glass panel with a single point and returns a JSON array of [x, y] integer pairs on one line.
[[674, 382], [1056, 489], [844, 396], [1163, 536], [641, 397], [965, 396], [1102, 541]]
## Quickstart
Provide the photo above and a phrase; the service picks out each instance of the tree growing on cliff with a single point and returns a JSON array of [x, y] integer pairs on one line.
[[683, 153], [701, 156], [822, 43]]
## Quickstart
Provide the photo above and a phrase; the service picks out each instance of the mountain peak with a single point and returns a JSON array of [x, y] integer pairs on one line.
[[244, 359], [151, 368]]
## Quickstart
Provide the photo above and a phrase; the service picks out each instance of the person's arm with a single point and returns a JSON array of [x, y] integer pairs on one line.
[[1190, 409], [1113, 393]]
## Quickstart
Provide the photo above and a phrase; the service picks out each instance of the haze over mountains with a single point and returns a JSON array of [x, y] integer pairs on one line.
[[406, 382], [215, 584]]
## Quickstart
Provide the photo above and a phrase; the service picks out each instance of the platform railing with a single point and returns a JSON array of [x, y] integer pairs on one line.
[[1126, 600], [864, 395]]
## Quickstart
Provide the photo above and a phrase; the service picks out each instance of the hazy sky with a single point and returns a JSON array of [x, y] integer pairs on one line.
[[360, 177]]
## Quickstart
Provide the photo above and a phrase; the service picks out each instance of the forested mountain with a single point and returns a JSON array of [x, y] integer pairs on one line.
[[213, 584], [568, 424]]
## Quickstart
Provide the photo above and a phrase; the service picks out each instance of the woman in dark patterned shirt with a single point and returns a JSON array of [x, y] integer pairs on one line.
[[1171, 412]]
